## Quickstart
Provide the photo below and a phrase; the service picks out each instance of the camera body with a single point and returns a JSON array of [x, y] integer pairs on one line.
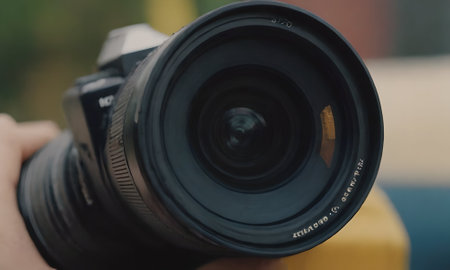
[[87, 107], [87, 195], [87, 104]]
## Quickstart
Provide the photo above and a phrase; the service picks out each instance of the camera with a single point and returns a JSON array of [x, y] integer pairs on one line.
[[254, 131]]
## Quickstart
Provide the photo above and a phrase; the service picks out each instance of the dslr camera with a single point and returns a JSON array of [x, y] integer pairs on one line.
[[254, 131]]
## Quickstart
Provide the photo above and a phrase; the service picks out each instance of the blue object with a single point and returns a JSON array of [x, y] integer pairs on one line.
[[425, 211]]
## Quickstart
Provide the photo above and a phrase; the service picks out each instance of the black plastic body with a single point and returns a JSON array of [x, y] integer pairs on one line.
[[104, 237]]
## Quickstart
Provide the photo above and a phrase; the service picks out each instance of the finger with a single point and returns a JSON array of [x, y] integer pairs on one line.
[[245, 263], [10, 153], [17, 143], [34, 135]]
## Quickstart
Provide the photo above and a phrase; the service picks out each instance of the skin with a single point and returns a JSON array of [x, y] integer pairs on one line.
[[17, 251], [17, 143]]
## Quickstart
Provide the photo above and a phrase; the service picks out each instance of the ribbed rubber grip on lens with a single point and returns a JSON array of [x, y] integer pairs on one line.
[[116, 155]]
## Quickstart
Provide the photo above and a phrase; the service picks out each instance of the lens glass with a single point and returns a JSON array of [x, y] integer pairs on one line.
[[257, 132], [251, 127]]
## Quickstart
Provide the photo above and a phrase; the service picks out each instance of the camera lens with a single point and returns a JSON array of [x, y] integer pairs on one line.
[[247, 128], [256, 130]]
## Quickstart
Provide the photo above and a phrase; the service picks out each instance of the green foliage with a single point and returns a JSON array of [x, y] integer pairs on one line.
[[46, 44], [16, 45]]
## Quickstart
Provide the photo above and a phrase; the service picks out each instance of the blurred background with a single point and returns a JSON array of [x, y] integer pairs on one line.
[[46, 44]]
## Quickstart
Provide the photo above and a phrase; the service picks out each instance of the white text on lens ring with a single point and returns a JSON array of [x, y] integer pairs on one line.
[[310, 228]]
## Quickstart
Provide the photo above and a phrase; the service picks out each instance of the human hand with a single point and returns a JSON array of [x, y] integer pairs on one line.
[[17, 143]]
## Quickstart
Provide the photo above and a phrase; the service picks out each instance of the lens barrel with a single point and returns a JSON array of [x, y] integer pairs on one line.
[[254, 131], [256, 127]]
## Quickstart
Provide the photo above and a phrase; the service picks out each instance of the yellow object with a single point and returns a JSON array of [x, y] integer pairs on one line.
[[374, 239], [168, 16]]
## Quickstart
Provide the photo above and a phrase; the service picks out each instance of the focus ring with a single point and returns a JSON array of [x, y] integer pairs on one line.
[[122, 178], [116, 155]]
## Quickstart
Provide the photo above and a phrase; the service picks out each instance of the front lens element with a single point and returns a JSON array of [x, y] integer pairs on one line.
[[242, 134], [251, 127]]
